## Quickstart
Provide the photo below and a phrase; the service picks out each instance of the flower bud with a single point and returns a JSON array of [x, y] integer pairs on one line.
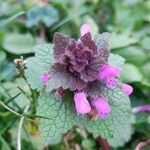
[[127, 88], [81, 103], [102, 107], [44, 79], [85, 28]]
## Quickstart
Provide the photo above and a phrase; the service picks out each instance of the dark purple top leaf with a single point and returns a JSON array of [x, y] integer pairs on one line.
[[78, 62]]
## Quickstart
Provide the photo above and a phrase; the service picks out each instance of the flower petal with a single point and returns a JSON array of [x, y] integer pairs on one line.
[[85, 28], [81, 103], [108, 71], [102, 107], [127, 88], [44, 78]]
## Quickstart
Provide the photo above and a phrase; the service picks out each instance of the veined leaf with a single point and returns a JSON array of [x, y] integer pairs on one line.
[[63, 117]]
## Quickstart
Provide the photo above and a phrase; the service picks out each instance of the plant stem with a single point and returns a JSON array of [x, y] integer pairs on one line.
[[9, 109], [42, 33], [13, 102], [104, 144], [33, 94], [20, 127], [14, 112], [11, 99], [34, 100], [141, 145]]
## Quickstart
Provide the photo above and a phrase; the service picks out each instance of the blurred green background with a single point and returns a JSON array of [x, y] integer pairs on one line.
[[25, 23]]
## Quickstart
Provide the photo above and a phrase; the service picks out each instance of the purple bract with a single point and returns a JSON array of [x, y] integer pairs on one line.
[[81, 59]]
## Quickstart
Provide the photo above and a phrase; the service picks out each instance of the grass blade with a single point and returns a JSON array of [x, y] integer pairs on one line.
[[4, 143], [9, 20]]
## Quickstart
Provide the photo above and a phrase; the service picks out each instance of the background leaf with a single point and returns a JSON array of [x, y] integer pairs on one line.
[[116, 60], [19, 43], [130, 73], [7, 69], [42, 61], [121, 40], [45, 14], [6, 22]]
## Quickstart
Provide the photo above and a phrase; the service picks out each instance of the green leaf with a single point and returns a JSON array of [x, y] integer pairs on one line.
[[132, 54], [88, 144], [130, 73], [142, 124], [5, 145], [72, 16], [121, 40], [12, 94], [39, 64], [46, 14], [119, 118], [18, 43], [146, 69], [116, 60], [8, 21], [63, 117], [7, 69], [145, 42], [2, 56]]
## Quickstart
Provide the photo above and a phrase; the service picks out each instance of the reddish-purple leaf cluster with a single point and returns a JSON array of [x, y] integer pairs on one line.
[[81, 59]]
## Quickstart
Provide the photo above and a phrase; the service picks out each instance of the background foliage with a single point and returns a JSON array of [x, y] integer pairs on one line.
[[25, 23]]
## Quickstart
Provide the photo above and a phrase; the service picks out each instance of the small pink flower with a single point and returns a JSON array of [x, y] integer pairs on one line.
[[108, 74], [85, 28], [127, 88], [81, 103], [102, 107], [44, 78], [108, 71]]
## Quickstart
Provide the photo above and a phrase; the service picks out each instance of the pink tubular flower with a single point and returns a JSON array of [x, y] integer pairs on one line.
[[85, 28], [127, 88], [102, 107], [81, 103], [108, 71], [107, 74], [44, 78]]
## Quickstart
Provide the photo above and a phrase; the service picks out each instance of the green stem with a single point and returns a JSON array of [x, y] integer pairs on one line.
[[33, 93], [10, 97]]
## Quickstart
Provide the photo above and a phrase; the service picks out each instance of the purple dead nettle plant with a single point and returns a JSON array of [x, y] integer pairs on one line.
[[84, 62]]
